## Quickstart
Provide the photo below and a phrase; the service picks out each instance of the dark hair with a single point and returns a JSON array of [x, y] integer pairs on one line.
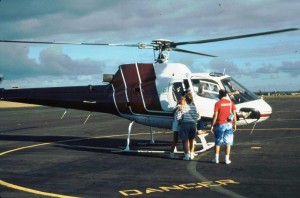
[[222, 93], [189, 97]]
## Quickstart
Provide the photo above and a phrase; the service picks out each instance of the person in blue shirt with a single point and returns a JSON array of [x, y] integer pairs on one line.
[[188, 116]]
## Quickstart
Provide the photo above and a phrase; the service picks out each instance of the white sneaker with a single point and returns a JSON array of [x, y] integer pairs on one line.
[[216, 161], [186, 157], [227, 161], [192, 156]]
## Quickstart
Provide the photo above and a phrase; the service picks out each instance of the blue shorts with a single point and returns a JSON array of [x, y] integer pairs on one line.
[[223, 134], [187, 130]]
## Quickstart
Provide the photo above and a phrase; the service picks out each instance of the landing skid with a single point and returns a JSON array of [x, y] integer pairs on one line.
[[152, 141], [201, 138], [206, 145]]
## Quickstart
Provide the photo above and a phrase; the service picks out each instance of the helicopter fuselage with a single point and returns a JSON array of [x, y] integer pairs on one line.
[[147, 94]]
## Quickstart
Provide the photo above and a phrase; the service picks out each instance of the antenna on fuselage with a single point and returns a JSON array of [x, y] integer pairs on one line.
[[224, 71]]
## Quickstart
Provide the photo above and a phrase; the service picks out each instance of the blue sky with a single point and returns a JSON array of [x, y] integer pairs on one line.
[[264, 63]]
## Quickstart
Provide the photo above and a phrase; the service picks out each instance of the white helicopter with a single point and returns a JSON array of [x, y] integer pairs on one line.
[[147, 93]]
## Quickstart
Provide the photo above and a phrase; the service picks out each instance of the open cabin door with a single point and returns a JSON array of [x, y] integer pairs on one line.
[[177, 88]]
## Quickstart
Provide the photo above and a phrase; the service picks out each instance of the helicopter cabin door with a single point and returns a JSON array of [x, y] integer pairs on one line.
[[176, 89]]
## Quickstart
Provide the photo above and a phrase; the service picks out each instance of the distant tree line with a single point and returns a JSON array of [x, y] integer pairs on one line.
[[272, 93]]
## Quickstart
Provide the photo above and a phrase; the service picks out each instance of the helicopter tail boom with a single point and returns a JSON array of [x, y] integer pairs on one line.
[[89, 98]]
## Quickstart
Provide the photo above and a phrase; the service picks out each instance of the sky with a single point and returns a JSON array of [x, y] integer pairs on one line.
[[265, 63]]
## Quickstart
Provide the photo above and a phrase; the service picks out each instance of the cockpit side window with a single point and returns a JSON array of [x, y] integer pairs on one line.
[[206, 88]]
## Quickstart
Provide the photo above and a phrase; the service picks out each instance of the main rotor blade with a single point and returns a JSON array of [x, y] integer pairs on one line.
[[66, 43], [191, 52], [233, 37]]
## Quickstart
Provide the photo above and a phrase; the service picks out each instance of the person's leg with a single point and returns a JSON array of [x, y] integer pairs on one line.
[[227, 154], [192, 148], [175, 140], [218, 142], [217, 154], [228, 140], [192, 145], [186, 147], [217, 149], [185, 137], [228, 148], [192, 134]]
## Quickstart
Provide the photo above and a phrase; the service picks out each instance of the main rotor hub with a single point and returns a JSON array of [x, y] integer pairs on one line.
[[162, 44]]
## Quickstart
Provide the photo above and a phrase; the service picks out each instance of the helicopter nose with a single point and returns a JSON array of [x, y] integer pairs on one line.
[[265, 110], [257, 110]]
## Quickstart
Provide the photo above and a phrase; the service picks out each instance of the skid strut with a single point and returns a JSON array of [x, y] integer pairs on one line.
[[128, 137], [205, 145]]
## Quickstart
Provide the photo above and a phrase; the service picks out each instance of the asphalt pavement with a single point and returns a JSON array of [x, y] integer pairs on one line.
[[43, 155]]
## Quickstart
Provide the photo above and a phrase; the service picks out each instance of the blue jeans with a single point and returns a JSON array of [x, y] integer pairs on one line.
[[223, 134]]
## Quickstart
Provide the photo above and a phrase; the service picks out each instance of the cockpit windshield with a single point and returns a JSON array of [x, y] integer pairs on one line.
[[237, 93]]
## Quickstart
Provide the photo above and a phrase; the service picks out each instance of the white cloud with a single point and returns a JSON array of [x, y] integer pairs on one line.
[[133, 21]]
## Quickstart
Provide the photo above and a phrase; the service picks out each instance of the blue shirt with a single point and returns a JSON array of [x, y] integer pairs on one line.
[[188, 113]]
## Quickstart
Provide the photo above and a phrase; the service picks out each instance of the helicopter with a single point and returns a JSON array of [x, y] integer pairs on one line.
[[147, 93]]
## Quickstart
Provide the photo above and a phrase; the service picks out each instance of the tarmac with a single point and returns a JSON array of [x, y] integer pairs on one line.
[[43, 155]]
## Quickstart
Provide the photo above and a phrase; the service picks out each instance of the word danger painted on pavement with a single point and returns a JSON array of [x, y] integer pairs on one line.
[[189, 186]]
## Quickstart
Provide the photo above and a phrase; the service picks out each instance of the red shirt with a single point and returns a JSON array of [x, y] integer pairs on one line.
[[223, 109]]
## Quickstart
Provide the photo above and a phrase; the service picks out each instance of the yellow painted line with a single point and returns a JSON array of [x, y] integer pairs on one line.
[[192, 169], [3, 183], [270, 129], [16, 187], [110, 136], [255, 147], [21, 148], [285, 111], [283, 119]]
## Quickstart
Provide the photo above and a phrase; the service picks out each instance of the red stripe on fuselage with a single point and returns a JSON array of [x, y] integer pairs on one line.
[[135, 86], [265, 115]]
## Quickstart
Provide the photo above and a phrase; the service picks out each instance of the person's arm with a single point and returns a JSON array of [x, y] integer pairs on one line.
[[234, 120], [179, 112], [233, 92], [214, 121], [198, 115], [179, 115]]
